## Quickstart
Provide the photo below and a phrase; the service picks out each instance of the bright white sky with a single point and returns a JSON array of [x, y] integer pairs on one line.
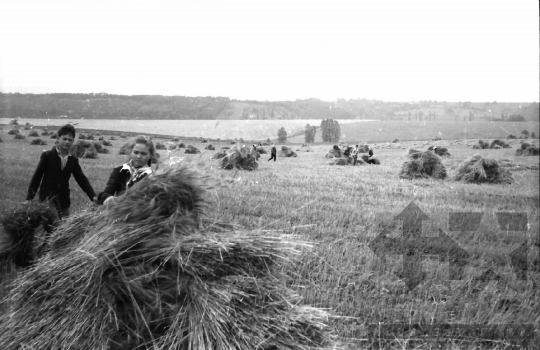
[[393, 50]]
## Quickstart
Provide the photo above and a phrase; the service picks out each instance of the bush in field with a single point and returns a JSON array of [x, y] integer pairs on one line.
[[19, 137], [13, 132], [106, 143], [38, 141], [160, 146], [33, 133], [483, 170]]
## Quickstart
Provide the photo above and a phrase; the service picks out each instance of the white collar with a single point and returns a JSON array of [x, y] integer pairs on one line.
[[60, 155]]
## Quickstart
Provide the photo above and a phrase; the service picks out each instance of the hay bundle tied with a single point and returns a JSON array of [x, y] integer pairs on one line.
[[239, 159], [422, 165], [143, 275], [84, 149], [45, 133], [210, 147], [371, 160], [13, 132], [346, 161], [531, 150], [478, 169], [481, 145], [33, 133], [190, 149], [38, 141], [106, 143], [160, 146], [23, 232], [440, 151], [499, 143], [261, 150], [19, 137], [99, 147], [286, 152], [219, 154], [335, 152]]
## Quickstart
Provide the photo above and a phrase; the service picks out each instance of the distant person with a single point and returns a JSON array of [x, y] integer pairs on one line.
[[370, 155], [273, 152], [54, 171], [137, 168], [355, 154]]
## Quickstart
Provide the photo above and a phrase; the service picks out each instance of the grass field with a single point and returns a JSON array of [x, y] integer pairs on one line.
[[341, 210]]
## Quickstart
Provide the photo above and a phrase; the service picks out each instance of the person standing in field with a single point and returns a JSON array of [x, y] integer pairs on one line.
[[273, 152], [137, 168], [370, 155], [54, 171], [355, 155]]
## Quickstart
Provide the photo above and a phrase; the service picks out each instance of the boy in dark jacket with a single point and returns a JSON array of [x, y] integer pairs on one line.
[[273, 153], [54, 171]]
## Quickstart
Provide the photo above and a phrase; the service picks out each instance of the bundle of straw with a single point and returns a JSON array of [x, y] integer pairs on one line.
[[335, 152], [21, 237], [210, 147], [239, 159], [371, 160], [84, 149], [500, 143], [142, 275], [219, 154], [286, 152], [483, 170], [422, 165], [190, 149]]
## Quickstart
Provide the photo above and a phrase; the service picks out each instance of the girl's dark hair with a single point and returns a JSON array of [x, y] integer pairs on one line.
[[67, 129]]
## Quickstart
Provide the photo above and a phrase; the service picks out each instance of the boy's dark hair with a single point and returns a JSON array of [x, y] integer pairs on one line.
[[67, 129]]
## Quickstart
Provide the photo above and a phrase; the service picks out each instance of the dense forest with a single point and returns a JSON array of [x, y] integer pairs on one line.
[[107, 106]]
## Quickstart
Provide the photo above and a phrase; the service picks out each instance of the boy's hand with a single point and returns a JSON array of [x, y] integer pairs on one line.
[[109, 200], [94, 199]]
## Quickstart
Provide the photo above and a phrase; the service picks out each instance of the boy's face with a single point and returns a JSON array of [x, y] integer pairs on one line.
[[65, 142]]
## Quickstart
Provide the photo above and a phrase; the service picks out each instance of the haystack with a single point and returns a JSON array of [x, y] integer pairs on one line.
[[529, 150], [106, 143], [261, 150], [19, 137], [210, 147], [500, 143], [239, 159], [366, 159], [441, 151], [483, 170], [511, 136], [54, 136], [219, 155], [82, 136], [335, 152], [142, 275], [13, 132], [423, 165], [481, 145], [84, 149], [33, 133], [286, 152], [346, 161], [24, 231], [160, 146], [99, 147], [45, 133], [190, 149], [38, 141]]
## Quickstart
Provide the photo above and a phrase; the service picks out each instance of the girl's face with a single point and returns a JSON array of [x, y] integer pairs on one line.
[[140, 155]]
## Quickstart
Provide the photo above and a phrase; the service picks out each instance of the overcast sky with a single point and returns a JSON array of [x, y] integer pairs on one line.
[[393, 50]]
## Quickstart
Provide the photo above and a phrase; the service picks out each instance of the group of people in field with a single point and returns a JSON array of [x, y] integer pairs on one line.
[[355, 151], [56, 166]]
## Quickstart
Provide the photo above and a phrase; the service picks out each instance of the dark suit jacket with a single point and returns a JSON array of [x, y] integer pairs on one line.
[[116, 184], [53, 181], [273, 150]]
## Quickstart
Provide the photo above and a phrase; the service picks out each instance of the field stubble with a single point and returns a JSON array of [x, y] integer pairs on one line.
[[341, 210]]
